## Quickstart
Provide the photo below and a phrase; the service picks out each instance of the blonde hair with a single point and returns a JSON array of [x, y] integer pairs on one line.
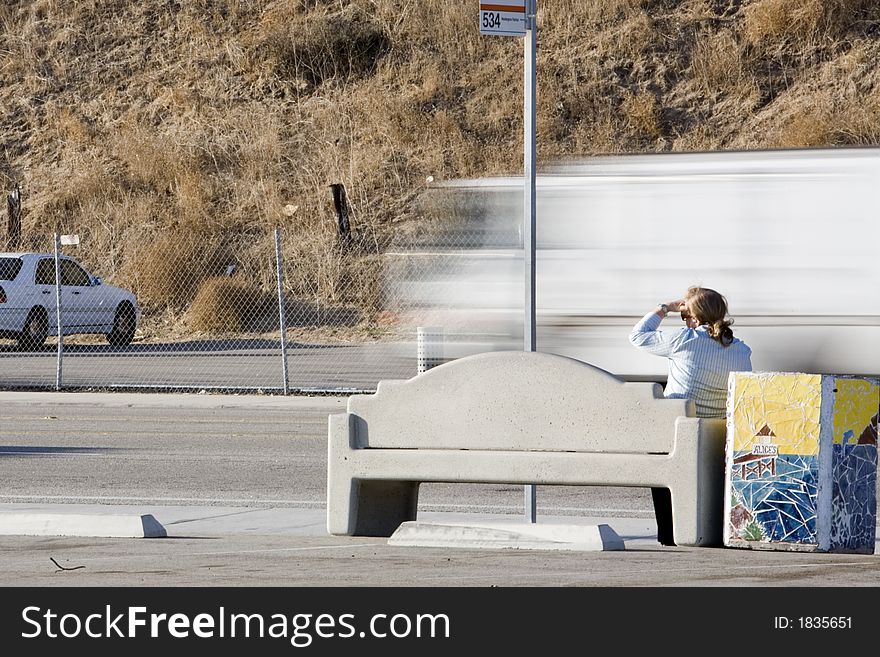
[[710, 308]]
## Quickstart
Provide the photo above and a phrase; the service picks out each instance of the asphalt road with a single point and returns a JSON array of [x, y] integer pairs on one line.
[[216, 450], [244, 364], [240, 483]]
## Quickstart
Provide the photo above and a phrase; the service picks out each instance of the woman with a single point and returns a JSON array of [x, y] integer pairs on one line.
[[701, 354]]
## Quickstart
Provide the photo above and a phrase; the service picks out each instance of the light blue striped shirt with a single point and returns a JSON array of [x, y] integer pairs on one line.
[[698, 364]]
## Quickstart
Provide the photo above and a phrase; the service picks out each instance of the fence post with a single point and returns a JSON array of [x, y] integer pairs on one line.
[[281, 309], [340, 203], [13, 210], [60, 348]]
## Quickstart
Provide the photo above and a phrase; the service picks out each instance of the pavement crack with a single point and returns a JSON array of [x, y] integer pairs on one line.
[[211, 517]]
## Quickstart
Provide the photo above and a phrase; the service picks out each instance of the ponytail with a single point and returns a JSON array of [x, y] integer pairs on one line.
[[720, 330]]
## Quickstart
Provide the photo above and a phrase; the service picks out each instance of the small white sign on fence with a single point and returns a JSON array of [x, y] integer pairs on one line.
[[70, 239]]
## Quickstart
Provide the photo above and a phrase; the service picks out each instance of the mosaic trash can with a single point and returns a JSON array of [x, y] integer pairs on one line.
[[801, 462]]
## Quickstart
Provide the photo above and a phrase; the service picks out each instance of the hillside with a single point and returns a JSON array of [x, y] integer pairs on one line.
[[175, 136]]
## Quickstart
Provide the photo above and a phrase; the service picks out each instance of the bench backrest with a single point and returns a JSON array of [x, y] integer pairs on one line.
[[517, 400]]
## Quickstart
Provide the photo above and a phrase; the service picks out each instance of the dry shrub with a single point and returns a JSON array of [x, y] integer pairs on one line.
[[228, 305], [700, 138], [168, 271], [838, 105], [326, 282], [193, 194], [494, 115], [113, 228], [846, 121], [641, 112], [700, 10], [802, 22], [453, 36], [598, 136], [717, 67], [775, 21], [256, 206], [859, 122], [323, 46], [552, 124], [584, 82], [70, 126], [365, 274], [314, 314], [219, 14], [844, 15], [814, 127], [627, 40]]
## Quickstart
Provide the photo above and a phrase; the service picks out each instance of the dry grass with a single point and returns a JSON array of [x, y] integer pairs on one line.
[[808, 130], [838, 105], [171, 268], [803, 22], [719, 69], [642, 113], [592, 11], [849, 123], [777, 21], [176, 137], [332, 45]]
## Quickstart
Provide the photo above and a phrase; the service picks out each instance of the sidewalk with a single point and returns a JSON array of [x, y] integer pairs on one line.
[[211, 521], [284, 547]]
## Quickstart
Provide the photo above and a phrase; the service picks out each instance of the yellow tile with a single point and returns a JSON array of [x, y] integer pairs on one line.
[[855, 404], [788, 403]]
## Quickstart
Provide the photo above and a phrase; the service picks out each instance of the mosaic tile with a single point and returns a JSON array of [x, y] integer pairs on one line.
[[801, 462]]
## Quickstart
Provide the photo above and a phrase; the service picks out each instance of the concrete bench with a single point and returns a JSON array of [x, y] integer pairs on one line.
[[520, 418]]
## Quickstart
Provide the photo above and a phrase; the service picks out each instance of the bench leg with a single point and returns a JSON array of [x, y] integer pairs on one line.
[[382, 506], [371, 508], [686, 517], [361, 507], [698, 495]]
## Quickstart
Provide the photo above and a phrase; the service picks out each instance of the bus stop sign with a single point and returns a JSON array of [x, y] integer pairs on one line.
[[503, 18]]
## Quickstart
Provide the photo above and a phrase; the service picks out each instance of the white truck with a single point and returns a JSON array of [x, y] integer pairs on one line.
[[790, 237]]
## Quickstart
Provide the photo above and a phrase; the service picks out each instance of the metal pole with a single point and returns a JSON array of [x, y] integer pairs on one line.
[[281, 312], [60, 349], [529, 205], [429, 347]]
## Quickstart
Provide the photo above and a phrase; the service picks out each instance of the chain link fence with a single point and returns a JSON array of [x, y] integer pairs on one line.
[[279, 316], [307, 305]]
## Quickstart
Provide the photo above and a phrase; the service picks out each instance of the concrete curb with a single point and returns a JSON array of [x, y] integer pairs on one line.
[[103, 525], [500, 535], [329, 403]]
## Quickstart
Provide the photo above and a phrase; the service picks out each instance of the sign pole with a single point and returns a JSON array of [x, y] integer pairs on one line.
[[529, 206], [59, 351], [516, 18]]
